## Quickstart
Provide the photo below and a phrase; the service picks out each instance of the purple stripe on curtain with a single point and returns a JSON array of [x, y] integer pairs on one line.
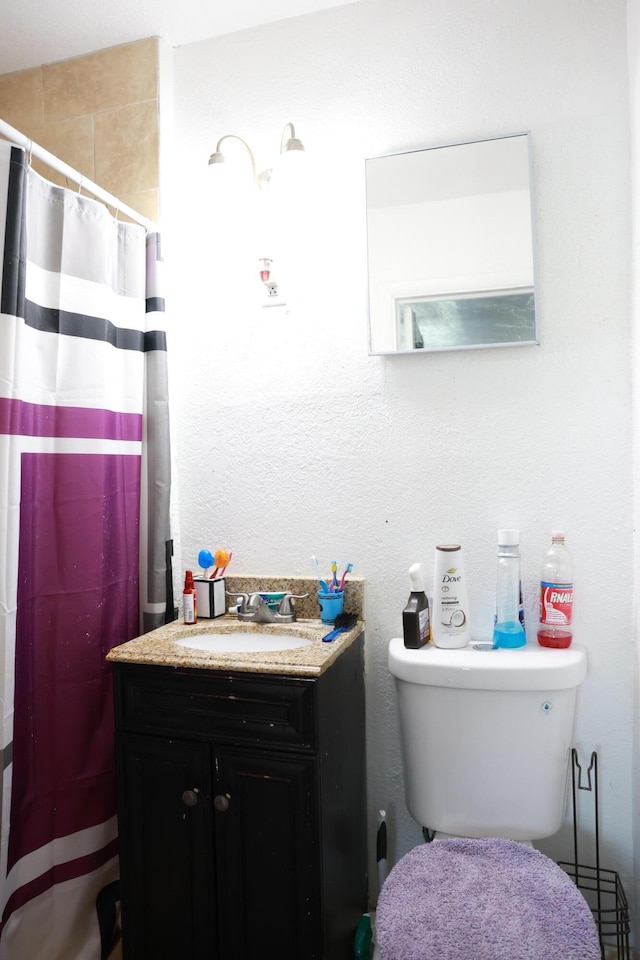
[[17, 417], [59, 874], [77, 598]]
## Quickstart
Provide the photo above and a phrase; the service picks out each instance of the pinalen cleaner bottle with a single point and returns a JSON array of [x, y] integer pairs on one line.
[[556, 595]]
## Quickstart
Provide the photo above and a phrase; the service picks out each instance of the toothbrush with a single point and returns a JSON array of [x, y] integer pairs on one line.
[[205, 560], [334, 570], [323, 584], [221, 574], [342, 623], [349, 568], [221, 558]]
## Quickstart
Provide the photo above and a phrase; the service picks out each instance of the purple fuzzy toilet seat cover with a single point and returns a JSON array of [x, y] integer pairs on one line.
[[482, 900]]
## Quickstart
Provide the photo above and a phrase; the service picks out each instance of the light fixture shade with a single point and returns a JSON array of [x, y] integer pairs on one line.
[[292, 144], [238, 150]]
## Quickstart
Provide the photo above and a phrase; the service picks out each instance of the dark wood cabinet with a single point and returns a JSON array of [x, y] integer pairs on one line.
[[241, 807], [166, 848]]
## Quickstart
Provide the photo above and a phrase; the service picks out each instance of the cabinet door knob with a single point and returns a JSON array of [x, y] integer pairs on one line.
[[221, 802], [190, 797]]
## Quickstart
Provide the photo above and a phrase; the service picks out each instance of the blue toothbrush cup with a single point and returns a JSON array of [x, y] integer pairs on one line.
[[330, 605]]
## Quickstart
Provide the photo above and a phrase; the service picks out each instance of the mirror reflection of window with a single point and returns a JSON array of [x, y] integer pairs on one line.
[[484, 320], [409, 336], [450, 237]]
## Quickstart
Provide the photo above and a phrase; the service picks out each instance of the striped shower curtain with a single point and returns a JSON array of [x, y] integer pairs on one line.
[[84, 540]]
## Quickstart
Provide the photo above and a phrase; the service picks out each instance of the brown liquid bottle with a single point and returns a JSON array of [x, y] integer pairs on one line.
[[415, 616]]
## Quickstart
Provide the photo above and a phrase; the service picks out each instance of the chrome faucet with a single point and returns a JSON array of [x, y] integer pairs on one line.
[[253, 608]]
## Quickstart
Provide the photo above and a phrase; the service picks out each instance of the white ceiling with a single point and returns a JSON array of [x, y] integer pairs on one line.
[[34, 32]]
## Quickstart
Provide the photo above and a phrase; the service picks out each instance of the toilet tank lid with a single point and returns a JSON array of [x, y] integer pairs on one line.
[[478, 667]]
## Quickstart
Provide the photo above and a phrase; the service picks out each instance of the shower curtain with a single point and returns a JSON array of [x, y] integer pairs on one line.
[[84, 540]]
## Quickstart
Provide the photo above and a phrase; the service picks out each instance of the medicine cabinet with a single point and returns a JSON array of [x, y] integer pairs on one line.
[[450, 243]]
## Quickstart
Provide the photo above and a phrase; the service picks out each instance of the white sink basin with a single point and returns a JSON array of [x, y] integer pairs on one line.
[[238, 642]]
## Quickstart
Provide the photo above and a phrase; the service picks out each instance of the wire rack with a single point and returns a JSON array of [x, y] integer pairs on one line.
[[602, 889]]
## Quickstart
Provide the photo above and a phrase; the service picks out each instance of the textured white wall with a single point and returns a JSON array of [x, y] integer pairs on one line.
[[292, 441]]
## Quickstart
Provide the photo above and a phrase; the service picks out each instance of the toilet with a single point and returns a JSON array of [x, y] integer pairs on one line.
[[485, 737]]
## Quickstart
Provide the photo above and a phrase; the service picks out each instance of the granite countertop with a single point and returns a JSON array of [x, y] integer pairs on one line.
[[158, 647]]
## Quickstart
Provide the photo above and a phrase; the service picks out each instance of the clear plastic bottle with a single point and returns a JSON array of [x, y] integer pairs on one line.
[[556, 595], [508, 630]]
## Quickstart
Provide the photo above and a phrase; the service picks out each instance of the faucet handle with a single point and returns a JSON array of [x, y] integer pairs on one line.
[[288, 609], [242, 597]]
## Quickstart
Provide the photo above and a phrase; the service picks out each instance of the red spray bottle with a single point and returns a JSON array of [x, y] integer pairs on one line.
[[189, 599]]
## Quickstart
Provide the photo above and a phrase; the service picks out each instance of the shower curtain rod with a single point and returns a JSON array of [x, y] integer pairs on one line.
[[34, 149]]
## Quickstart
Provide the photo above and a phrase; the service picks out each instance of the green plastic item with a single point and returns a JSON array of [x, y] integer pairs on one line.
[[272, 599], [363, 937]]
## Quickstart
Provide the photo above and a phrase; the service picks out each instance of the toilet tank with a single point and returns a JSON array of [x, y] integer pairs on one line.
[[486, 736]]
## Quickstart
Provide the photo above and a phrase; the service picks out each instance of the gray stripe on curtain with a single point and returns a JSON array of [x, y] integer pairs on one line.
[[158, 461], [159, 467]]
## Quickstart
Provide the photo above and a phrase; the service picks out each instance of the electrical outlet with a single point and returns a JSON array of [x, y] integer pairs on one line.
[[273, 298]]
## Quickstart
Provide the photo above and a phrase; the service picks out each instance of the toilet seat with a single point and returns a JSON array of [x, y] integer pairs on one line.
[[488, 899]]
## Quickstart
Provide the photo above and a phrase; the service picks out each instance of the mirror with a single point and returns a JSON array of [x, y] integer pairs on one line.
[[450, 247]]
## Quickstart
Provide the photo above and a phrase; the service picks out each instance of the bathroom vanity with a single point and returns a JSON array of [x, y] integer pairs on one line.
[[241, 799]]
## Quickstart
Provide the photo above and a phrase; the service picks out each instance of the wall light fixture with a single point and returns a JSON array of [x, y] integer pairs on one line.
[[288, 145], [277, 181]]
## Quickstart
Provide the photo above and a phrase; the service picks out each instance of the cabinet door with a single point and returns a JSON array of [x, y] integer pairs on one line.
[[267, 862], [166, 849]]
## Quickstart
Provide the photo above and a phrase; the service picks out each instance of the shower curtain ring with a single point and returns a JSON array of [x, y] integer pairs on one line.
[[80, 186], [30, 153]]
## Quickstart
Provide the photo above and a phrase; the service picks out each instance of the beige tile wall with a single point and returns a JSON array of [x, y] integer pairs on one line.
[[98, 113]]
